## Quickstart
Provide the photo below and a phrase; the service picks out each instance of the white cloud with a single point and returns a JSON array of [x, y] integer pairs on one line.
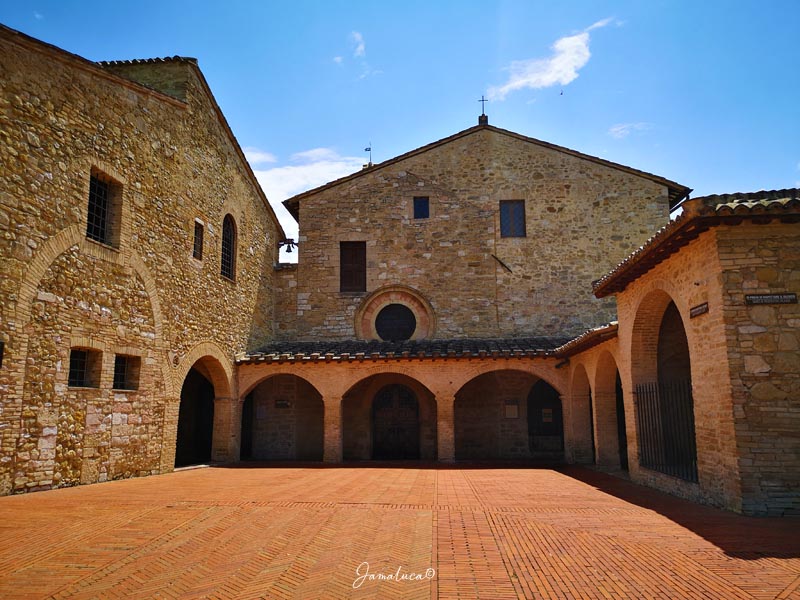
[[338, 60], [360, 50], [599, 24], [315, 167], [570, 54], [38, 16], [258, 157], [621, 130]]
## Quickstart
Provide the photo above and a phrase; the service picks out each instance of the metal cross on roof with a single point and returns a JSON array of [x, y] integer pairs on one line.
[[483, 102]]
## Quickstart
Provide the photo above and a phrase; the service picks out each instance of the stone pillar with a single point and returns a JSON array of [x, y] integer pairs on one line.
[[227, 430], [169, 433], [445, 427], [332, 450]]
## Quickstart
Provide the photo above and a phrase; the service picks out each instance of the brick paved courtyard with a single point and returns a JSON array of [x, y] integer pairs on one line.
[[310, 532]]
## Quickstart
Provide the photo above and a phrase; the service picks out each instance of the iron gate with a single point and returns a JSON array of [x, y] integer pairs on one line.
[[665, 422]]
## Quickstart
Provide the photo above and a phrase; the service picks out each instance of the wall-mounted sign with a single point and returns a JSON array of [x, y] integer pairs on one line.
[[698, 310], [512, 410], [282, 404], [770, 298]]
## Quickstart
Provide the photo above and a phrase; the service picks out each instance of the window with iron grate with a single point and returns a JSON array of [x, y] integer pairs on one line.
[[104, 209], [228, 262], [84, 367], [126, 372]]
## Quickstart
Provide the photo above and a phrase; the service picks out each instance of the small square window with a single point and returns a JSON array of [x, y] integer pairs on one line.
[[512, 218], [197, 249], [421, 207], [126, 372], [84, 368]]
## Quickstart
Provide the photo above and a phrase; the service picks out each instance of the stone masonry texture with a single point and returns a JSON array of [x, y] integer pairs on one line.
[[173, 162]]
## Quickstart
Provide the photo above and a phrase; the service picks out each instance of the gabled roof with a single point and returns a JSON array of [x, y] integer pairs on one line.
[[699, 215], [107, 70], [676, 191]]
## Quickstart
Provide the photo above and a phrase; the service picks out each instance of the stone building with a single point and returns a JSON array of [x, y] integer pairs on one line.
[[137, 249], [488, 296]]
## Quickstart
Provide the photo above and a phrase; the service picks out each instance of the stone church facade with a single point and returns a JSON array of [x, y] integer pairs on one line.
[[486, 297]]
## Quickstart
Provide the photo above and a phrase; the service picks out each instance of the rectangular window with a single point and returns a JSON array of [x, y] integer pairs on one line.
[[353, 266], [421, 207], [126, 372], [512, 218], [84, 367], [104, 210], [197, 250]]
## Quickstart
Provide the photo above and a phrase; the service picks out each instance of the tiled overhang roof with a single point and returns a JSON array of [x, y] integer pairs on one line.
[[350, 350], [699, 215], [470, 348]]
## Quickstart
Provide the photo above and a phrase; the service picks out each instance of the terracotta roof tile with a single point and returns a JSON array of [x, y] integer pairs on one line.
[[700, 214]]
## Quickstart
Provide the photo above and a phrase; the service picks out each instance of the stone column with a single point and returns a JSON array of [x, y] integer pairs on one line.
[[445, 427], [332, 450], [227, 430]]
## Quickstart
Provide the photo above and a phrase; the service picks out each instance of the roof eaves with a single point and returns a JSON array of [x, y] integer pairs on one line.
[[588, 339], [699, 215]]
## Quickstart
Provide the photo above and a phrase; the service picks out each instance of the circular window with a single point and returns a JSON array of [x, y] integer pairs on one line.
[[395, 323]]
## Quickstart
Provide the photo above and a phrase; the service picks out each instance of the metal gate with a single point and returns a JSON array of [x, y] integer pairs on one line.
[[665, 423]]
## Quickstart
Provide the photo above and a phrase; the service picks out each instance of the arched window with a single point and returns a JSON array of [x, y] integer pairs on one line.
[[228, 266]]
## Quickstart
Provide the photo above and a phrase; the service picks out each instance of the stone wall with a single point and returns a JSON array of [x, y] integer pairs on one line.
[[483, 430], [172, 162], [764, 355], [287, 420], [582, 219]]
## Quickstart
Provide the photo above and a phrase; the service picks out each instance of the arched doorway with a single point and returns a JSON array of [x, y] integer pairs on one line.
[[662, 378], [491, 418], [545, 421], [611, 440], [195, 420], [395, 423], [622, 432], [282, 419]]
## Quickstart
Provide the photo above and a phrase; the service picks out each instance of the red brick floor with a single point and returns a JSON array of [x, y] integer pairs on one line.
[[309, 531]]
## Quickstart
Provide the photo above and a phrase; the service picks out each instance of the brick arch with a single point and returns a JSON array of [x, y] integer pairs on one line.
[[361, 437], [215, 363], [547, 372], [251, 385], [648, 312], [60, 243], [604, 393], [367, 312]]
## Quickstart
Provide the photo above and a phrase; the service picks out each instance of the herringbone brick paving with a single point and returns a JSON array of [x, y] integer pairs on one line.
[[308, 531]]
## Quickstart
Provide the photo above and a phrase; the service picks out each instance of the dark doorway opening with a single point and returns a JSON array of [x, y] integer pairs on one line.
[[622, 433], [246, 448], [395, 424], [195, 421], [545, 421]]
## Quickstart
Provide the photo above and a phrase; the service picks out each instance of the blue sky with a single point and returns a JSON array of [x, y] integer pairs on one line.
[[706, 93]]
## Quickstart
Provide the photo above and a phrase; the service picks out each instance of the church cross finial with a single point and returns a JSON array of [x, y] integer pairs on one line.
[[483, 102]]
